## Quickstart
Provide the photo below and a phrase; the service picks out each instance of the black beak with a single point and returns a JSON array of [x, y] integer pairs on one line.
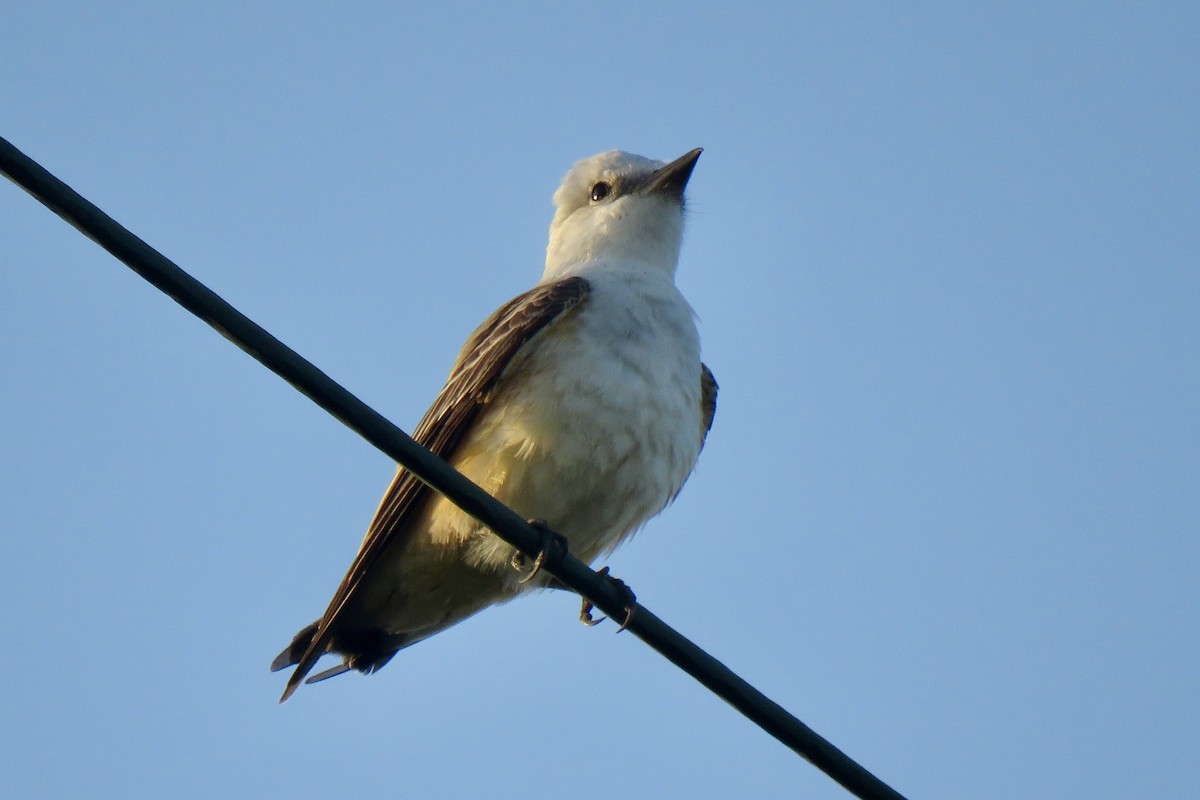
[[672, 179]]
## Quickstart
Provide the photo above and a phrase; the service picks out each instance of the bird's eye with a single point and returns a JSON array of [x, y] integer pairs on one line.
[[600, 191]]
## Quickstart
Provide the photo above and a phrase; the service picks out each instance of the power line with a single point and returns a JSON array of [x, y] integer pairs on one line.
[[359, 417]]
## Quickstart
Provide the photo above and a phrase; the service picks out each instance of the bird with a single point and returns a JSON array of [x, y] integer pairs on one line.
[[582, 404]]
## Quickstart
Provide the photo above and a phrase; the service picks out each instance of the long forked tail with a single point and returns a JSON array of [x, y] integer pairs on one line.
[[365, 651], [299, 653]]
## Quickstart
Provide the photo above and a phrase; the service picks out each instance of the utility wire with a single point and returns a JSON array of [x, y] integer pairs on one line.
[[440, 476]]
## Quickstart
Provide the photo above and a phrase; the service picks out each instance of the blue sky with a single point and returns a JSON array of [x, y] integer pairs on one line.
[[947, 265]]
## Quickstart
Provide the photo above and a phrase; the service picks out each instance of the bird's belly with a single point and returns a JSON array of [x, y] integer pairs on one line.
[[594, 430], [595, 448], [594, 465]]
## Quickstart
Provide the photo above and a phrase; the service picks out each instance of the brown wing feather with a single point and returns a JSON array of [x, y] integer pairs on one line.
[[480, 364], [708, 401]]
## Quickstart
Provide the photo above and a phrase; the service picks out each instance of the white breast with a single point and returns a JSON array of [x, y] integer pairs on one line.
[[595, 426]]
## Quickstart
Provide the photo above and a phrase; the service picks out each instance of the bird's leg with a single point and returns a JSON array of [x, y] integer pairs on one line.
[[554, 547], [585, 613]]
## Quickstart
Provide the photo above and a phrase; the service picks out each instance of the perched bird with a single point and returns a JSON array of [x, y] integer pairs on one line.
[[581, 403]]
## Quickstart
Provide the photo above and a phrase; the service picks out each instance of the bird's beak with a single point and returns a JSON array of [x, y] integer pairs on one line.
[[671, 179]]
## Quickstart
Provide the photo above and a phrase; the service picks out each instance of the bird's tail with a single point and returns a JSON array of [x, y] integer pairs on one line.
[[292, 654], [300, 653], [365, 651]]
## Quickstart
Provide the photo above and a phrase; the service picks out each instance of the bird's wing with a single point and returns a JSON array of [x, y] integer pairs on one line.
[[481, 363], [708, 402]]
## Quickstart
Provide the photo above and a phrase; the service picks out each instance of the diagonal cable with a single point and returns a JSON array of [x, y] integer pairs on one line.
[[440, 476]]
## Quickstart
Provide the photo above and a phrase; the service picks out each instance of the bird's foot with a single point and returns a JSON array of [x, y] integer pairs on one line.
[[585, 613], [554, 547]]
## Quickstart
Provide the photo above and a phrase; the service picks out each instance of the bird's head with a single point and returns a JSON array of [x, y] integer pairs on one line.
[[619, 206]]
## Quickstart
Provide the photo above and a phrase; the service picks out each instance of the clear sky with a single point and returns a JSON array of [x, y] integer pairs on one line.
[[946, 259]]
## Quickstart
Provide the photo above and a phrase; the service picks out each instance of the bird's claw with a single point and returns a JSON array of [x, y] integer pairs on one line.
[[585, 612], [554, 547]]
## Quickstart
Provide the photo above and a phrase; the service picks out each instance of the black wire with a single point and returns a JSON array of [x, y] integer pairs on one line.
[[356, 415]]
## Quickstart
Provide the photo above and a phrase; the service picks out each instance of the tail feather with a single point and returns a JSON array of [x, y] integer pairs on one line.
[[365, 651], [295, 650], [332, 672], [307, 660], [299, 653]]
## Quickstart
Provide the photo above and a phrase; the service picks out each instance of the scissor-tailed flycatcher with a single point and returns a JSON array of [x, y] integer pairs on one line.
[[581, 402]]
